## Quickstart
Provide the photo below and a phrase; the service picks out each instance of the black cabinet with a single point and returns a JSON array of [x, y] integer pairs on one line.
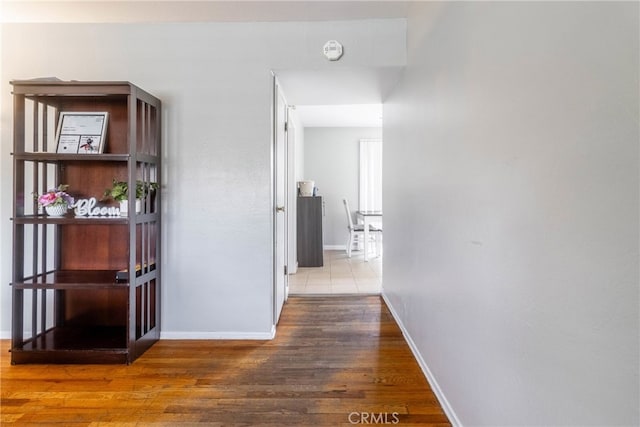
[[310, 232]]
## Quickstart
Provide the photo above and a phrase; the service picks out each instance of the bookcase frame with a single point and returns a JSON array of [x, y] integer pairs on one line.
[[67, 306]]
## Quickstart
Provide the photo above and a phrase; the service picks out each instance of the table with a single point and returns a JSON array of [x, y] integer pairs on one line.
[[368, 217]]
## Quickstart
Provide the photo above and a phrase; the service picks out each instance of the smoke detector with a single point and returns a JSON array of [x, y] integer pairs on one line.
[[332, 50]]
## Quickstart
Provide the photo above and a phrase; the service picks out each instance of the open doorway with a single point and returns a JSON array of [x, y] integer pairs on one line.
[[333, 158], [330, 152], [332, 110]]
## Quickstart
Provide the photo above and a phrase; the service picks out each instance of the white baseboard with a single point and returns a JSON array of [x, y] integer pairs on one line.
[[448, 410], [186, 335], [335, 247], [5, 335]]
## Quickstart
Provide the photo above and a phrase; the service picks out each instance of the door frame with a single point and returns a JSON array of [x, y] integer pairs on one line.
[[276, 92]]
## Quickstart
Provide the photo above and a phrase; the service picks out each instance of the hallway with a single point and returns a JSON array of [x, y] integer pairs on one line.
[[511, 207]]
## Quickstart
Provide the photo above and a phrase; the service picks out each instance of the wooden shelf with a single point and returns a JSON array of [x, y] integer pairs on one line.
[[73, 344], [107, 157], [71, 219], [79, 89], [72, 279], [55, 157]]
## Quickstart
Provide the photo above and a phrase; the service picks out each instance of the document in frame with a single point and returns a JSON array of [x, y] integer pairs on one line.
[[82, 132]]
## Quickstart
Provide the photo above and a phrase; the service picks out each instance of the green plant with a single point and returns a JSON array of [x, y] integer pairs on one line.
[[119, 191]]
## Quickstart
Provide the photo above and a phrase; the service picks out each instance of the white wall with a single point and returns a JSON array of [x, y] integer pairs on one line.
[[215, 84], [511, 208], [331, 159], [299, 149]]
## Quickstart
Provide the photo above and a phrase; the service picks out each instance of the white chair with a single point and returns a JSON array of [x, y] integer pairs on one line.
[[356, 232]]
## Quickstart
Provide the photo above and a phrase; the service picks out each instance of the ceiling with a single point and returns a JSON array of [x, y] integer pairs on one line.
[[358, 115], [338, 97]]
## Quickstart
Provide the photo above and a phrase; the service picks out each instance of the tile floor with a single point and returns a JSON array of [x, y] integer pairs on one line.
[[339, 275]]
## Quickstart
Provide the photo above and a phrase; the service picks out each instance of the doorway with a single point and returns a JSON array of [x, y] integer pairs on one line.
[[331, 157], [332, 160], [348, 100]]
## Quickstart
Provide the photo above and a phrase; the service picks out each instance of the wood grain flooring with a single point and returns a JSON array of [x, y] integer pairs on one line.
[[335, 361]]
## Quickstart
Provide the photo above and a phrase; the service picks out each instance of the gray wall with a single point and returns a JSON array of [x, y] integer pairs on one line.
[[331, 159], [215, 82], [511, 209]]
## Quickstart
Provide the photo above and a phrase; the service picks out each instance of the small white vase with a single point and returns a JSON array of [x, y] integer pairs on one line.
[[56, 210], [124, 207]]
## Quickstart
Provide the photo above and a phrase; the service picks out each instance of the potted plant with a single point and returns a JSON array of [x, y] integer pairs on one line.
[[119, 192], [56, 201]]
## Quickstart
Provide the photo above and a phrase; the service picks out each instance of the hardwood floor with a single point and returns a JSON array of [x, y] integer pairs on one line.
[[334, 361]]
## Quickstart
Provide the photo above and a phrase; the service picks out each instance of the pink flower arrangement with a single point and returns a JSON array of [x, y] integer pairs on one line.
[[56, 196]]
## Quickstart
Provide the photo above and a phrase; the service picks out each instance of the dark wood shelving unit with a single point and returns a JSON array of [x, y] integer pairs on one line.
[[67, 305]]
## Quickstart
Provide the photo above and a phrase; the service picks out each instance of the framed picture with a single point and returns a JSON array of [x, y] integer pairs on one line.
[[81, 132]]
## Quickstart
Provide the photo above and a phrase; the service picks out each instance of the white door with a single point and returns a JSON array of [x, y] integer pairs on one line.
[[280, 201]]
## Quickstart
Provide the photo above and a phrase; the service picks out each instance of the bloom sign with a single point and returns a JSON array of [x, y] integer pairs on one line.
[[87, 207]]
